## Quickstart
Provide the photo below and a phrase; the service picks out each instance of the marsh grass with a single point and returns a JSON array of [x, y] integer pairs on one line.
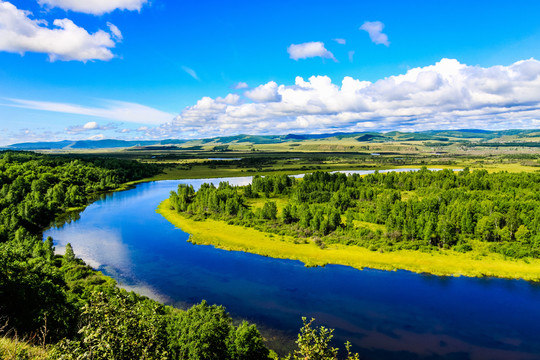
[[475, 263], [14, 349]]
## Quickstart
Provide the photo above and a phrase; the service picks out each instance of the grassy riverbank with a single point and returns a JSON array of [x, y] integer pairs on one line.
[[445, 262]]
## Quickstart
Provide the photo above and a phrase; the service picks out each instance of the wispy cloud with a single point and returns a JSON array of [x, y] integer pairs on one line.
[[112, 110], [446, 95], [115, 31], [64, 41], [190, 72], [341, 41], [309, 50], [374, 29], [95, 7], [240, 85]]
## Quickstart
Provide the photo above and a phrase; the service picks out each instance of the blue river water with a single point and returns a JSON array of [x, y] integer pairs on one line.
[[385, 315]]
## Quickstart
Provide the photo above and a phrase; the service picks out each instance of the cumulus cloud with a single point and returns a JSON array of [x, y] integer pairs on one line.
[[63, 41], [112, 110], [95, 7], [309, 50], [264, 93], [190, 72], [446, 95], [374, 29]]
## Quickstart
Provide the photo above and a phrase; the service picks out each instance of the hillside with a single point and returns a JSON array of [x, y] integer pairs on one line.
[[466, 137]]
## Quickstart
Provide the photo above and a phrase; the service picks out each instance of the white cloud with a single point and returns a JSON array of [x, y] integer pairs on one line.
[[115, 31], [64, 41], [240, 85], [89, 126], [95, 7], [264, 93], [340, 41], [374, 29], [190, 72], [113, 110], [231, 99], [309, 50], [446, 95], [97, 137]]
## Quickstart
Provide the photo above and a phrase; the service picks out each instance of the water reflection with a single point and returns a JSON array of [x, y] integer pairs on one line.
[[386, 315], [97, 246]]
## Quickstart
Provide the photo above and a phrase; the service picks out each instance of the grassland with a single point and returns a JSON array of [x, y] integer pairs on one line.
[[13, 349], [510, 151], [476, 263]]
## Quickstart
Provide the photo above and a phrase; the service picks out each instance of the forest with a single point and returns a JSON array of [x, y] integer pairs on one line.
[[420, 210], [56, 307]]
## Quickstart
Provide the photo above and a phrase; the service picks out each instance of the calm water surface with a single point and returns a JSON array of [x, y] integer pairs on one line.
[[386, 315]]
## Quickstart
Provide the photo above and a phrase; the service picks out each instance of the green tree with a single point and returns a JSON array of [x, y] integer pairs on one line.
[[314, 344], [269, 210], [69, 255], [248, 343], [204, 332]]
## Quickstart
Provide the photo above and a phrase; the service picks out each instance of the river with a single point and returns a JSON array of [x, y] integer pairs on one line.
[[385, 315]]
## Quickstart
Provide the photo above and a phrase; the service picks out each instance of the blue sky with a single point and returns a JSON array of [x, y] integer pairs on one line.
[[147, 69]]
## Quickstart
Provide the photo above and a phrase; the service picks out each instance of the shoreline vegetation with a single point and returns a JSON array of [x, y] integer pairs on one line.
[[57, 307], [441, 263], [471, 223]]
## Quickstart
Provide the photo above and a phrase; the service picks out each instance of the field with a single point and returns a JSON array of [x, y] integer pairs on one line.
[[511, 150]]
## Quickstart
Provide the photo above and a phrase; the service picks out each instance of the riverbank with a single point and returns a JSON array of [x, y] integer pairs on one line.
[[443, 262]]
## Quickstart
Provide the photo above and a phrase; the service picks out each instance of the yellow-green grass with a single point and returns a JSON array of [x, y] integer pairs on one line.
[[258, 203], [368, 225], [13, 349], [509, 167], [445, 262]]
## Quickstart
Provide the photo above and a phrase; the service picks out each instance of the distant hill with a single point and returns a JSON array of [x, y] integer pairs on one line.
[[88, 144], [464, 135]]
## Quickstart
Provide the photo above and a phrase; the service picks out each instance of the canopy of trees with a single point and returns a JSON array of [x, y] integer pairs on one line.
[[423, 210], [78, 313]]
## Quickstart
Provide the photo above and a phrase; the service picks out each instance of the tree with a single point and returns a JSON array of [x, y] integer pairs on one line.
[[48, 248], [69, 255], [269, 210], [314, 344], [286, 214], [204, 332], [248, 343], [523, 234]]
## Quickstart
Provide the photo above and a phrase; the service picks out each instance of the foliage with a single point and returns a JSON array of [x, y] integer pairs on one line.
[[315, 344], [60, 301], [206, 332], [118, 326], [423, 210]]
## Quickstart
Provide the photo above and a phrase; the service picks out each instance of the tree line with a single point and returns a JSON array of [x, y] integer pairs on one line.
[[419, 210]]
